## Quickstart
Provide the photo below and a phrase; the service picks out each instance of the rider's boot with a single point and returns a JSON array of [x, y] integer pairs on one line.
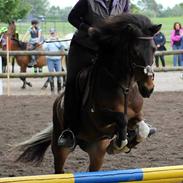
[[59, 86], [32, 61]]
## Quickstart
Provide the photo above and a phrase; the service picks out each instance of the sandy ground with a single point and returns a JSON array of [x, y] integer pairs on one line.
[[31, 111], [164, 81]]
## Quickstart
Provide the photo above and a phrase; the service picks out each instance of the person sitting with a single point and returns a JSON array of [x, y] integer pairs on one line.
[[160, 41], [54, 62], [35, 39]]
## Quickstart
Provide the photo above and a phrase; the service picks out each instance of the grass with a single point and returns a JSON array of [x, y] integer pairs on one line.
[[64, 28]]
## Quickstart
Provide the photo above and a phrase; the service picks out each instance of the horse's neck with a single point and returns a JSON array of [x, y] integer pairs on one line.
[[115, 68]]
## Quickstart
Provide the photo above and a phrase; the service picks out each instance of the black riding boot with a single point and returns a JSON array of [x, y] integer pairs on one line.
[[52, 86], [33, 61], [59, 86]]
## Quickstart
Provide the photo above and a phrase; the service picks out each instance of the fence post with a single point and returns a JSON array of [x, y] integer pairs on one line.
[[8, 65], [1, 82]]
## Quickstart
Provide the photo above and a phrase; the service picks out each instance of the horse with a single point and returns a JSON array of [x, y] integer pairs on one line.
[[112, 91], [23, 61], [4, 59]]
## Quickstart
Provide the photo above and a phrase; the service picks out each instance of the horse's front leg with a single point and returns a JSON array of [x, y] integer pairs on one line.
[[120, 141], [96, 155], [13, 65]]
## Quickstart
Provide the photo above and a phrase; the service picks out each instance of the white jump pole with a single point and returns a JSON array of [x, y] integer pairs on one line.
[[8, 66], [1, 82]]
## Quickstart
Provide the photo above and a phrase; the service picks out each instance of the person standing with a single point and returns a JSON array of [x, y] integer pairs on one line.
[[54, 62], [160, 41], [176, 36]]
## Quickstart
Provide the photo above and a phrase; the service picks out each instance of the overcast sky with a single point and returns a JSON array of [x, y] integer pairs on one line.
[[65, 3]]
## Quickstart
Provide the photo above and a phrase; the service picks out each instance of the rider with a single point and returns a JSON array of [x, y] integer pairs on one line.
[[82, 53], [35, 38]]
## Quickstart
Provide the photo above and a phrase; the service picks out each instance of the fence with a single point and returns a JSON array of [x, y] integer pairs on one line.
[[58, 53], [169, 174]]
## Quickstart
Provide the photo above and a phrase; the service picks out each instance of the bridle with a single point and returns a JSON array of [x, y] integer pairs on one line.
[[148, 70]]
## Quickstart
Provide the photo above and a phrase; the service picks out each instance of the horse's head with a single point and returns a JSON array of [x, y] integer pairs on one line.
[[127, 40]]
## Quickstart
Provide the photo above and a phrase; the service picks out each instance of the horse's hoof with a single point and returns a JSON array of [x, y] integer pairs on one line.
[[23, 87], [44, 86], [29, 84], [113, 148], [152, 131]]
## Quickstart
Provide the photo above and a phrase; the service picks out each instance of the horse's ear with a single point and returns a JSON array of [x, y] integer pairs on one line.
[[155, 28]]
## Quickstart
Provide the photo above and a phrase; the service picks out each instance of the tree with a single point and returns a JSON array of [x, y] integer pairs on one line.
[[135, 8], [150, 7], [60, 14], [13, 10], [38, 7]]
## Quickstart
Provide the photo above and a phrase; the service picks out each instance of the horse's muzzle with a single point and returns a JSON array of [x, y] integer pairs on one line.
[[144, 91]]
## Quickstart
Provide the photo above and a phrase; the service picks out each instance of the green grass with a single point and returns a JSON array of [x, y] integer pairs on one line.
[[62, 28]]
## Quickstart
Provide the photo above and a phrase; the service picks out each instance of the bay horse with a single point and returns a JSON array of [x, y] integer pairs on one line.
[[4, 59], [112, 95], [23, 61]]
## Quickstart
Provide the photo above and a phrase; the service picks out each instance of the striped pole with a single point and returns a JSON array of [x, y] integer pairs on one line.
[[169, 174]]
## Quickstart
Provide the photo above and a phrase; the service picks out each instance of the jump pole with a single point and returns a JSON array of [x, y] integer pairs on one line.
[[169, 174], [8, 66]]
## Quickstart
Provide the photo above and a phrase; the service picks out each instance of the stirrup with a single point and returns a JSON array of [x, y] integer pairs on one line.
[[67, 139]]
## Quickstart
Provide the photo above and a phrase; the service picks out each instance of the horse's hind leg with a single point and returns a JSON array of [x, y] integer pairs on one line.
[[60, 155], [13, 65], [96, 155]]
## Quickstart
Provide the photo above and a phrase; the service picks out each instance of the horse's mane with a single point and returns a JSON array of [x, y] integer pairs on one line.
[[21, 44], [116, 37]]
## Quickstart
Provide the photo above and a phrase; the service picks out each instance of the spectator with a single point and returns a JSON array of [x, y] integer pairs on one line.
[[54, 62], [176, 36], [160, 41]]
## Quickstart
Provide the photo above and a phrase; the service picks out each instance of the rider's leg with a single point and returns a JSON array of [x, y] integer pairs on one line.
[[78, 58], [33, 60]]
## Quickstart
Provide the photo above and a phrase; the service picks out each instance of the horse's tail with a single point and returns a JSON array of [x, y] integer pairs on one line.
[[35, 148]]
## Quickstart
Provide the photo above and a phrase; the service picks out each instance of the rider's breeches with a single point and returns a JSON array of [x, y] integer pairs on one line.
[[78, 58]]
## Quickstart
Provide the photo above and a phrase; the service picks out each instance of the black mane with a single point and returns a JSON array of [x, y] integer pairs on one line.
[[117, 37]]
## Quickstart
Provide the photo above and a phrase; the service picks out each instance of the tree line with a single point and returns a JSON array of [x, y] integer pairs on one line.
[[18, 9]]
